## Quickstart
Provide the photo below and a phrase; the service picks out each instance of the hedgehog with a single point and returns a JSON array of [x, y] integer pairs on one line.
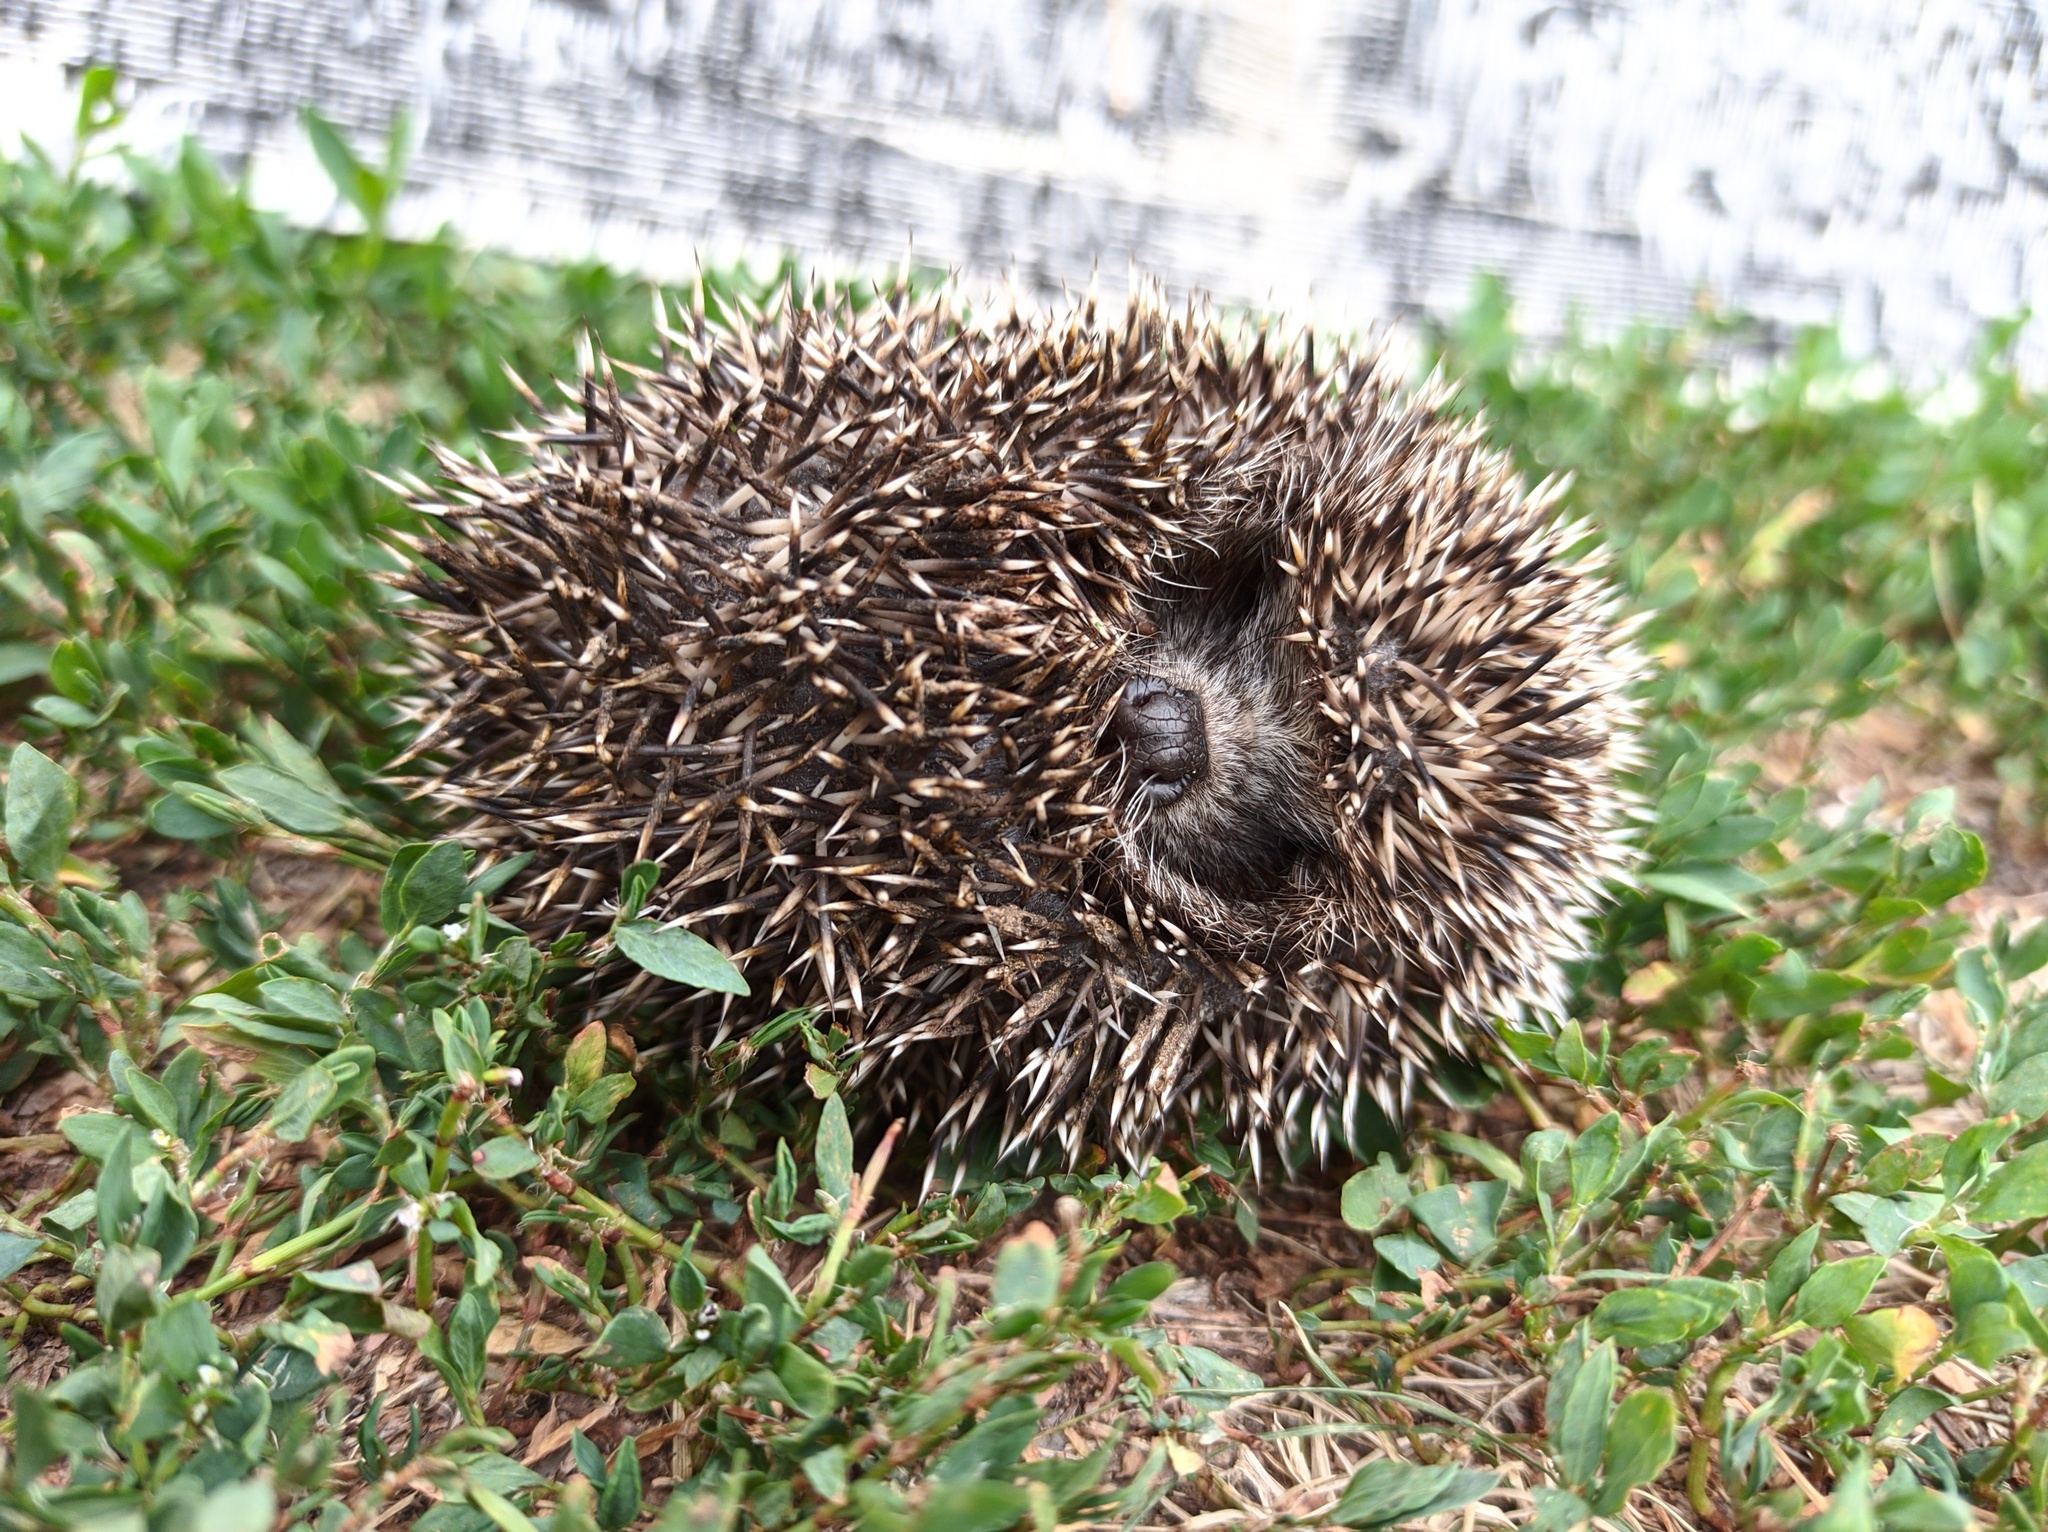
[[1114, 722]]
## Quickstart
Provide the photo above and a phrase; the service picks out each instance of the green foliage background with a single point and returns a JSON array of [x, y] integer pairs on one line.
[[1722, 1170]]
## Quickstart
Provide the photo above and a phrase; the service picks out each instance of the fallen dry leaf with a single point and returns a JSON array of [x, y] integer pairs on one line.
[[510, 1335]]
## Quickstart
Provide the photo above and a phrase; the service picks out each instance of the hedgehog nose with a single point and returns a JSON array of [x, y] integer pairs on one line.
[[1163, 734]]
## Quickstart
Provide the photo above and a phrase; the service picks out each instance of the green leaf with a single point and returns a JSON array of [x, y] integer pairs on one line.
[[1717, 886], [16, 1251], [1407, 1254], [1908, 1409], [1594, 1154], [303, 1102], [170, 1228], [325, 1341], [1975, 1275], [180, 1340], [1461, 1218], [357, 1277], [1789, 1268], [1888, 1222], [826, 1469], [119, 1207], [808, 1380], [38, 1431], [595, 1103], [245, 1505], [2021, 1090], [1144, 1283], [1214, 1373], [304, 1000], [434, 885], [1916, 1508], [503, 1158], [489, 880], [1374, 1195], [635, 885], [674, 953], [360, 186], [1581, 1395], [189, 804], [1159, 1199], [20, 661], [686, 1287], [1956, 864], [1641, 1439], [390, 913], [1849, 1508], [42, 802], [153, 1103], [970, 1505], [1028, 1271], [492, 1469], [995, 1447], [635, 1337], [1778, 998], [835, 1151], [1663, 1313], [1978, 983], [97, 109], [1544, 1147], [1903, 1339], [498, 1511], [60, 479], [469, 1329], [2017, 1191], [1388, 1491], [27, 970], [1569, 1049], [763, 1283], [588, 1458], [583, 1064], [96, 1134], [618, 1503], [1557, 1510], [128, 1292], [1836, 1291], [284, 800], [2026, 953], [1986, 1334]]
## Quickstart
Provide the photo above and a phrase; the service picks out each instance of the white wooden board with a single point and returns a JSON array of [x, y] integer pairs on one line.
[[1880, 162]]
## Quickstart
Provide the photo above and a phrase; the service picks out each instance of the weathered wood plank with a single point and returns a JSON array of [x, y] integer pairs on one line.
[[1879, 160]]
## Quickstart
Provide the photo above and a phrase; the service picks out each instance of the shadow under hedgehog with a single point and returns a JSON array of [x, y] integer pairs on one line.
[[1107, 722]]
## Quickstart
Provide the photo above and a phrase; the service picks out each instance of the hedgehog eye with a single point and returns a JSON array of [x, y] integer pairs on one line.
[[1164, 736]]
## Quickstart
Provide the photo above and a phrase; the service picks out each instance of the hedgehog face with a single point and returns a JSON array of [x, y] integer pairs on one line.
[[1219, 800]]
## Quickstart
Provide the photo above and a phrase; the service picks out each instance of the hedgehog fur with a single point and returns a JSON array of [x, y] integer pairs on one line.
[[1107, 721]]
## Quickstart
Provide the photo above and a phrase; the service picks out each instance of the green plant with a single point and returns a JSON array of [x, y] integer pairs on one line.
[[370, 1223]]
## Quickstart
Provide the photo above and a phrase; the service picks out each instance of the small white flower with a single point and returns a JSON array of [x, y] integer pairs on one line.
[[209, 1375], [515, 1078], [410, 1214], [702, 1335], [455, 930]]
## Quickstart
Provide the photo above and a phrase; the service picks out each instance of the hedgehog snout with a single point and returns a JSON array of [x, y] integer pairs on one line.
[[1164, 736]]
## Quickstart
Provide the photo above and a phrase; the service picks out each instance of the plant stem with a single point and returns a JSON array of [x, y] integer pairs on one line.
[[849, 1220], [1712, 1410], [269, 1260]]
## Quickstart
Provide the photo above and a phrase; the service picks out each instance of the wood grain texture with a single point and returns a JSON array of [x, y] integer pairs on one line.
[[1878, 161]]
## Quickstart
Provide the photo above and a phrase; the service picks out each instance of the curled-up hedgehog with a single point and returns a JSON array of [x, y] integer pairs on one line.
[[1107, 723]]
